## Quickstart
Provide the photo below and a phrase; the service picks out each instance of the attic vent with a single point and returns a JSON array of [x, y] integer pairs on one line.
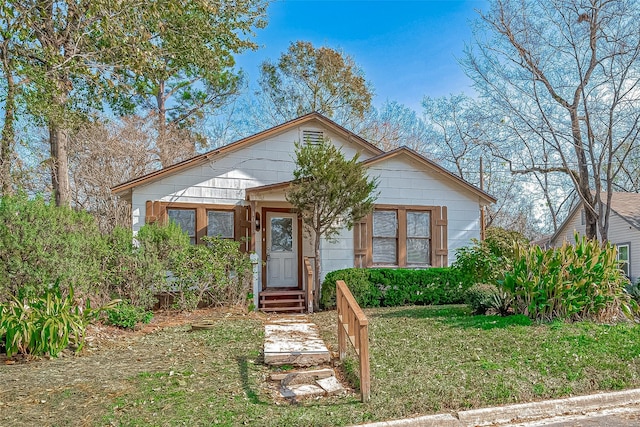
[[312, 136]]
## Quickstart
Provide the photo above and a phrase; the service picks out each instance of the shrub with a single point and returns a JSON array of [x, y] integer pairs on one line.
[[127, 316], [44, 324], [480, 297], [487, 261], [392, 287], [215, 273], [134, 273], [357, 280], [41, 243], [633, 290], [581, 281]]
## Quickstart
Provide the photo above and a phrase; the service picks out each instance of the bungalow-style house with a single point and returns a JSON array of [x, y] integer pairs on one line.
[[423, 212], [624, 230]]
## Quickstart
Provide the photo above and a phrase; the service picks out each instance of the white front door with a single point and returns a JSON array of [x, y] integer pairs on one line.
[[282, 250]]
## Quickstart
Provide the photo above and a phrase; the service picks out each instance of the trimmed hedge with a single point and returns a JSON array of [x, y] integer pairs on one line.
[[390, 287]]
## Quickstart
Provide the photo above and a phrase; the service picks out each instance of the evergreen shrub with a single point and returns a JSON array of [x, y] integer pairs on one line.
[[390, 287]]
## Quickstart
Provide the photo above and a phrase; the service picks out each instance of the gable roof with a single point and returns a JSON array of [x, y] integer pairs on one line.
[[625, 205], [203, 158], [431, 166]]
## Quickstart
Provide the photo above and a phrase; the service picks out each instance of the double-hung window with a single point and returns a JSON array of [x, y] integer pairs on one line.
[[401, 237], [418, 238], [220, 224], [385, 237], [186, 219], [623, 258]]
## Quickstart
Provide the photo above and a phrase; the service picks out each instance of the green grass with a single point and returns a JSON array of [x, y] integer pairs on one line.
[[423, 360]]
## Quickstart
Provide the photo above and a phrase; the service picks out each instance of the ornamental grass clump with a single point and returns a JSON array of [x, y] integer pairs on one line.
[[573, 282], [45, 324]]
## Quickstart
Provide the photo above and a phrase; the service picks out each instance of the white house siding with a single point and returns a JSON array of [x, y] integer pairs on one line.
[[403, 182], [224, 178], [620, 232]]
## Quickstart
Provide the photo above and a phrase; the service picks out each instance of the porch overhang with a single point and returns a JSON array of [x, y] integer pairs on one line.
[[268, 193]]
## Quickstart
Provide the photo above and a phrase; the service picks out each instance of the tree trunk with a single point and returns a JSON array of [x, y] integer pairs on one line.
[[584, 188], [58, 140], [163, 151], [8, 132], [316, 275]]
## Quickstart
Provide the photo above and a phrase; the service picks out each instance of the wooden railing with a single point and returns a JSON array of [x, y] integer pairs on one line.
[[352, 323], [309, 274]]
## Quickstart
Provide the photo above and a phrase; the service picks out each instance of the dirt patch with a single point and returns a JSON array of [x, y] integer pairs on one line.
[[75, 390]]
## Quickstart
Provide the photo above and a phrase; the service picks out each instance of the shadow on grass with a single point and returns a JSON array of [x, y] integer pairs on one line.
[[458, 316], [243, 368]]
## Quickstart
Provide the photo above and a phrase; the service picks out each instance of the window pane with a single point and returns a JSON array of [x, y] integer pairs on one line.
[[186, 219], [623, 253], [418, 251], [220, 223], [281, 234], [384, 250], [385, 224], [418, 224]]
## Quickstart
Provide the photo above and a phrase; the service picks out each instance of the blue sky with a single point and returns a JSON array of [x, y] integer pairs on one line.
[[407, 49]]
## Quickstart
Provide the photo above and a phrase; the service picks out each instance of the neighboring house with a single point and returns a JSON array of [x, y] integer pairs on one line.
[[624, 230], [422, 215]]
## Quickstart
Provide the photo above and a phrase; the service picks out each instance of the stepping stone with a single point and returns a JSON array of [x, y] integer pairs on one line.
[[315, 374], [330, 385], [293, 342], [301, 391]]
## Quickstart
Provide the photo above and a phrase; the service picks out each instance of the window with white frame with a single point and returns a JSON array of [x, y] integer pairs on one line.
[[220, 224], [186, 219], [623, 258]]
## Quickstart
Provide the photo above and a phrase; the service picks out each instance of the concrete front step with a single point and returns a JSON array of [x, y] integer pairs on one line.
[[295, 342]]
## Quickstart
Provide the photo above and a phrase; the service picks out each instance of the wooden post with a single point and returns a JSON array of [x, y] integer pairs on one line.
[[365, 372], [354, 325]]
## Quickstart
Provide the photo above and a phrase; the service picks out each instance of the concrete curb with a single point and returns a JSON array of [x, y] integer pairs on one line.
[[519, 412]]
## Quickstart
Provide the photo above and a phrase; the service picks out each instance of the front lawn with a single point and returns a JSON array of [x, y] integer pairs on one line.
[[423, 360]]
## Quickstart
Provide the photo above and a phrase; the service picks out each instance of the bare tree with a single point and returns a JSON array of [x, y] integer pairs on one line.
[[104, 155], [564, 76]]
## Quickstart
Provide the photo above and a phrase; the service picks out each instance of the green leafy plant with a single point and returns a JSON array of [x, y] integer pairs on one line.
[[41, 243], [127, 316], [215, 273], [46, 324], [481, 297], [487, 261], [376, 287], [580, 281]]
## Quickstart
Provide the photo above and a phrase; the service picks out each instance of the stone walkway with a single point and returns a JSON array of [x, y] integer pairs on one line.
[[295, 341]]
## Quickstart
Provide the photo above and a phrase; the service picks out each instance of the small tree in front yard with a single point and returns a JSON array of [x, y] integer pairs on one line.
[[329, 192]]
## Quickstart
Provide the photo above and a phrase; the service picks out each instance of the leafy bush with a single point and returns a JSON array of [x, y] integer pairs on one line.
[[480, 297], [633, 289], [581, 281], [134, 273], [393, 287], [487, 261], [357, 280], [127, 316], [41, 243], [44, 324], [215, 273]]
